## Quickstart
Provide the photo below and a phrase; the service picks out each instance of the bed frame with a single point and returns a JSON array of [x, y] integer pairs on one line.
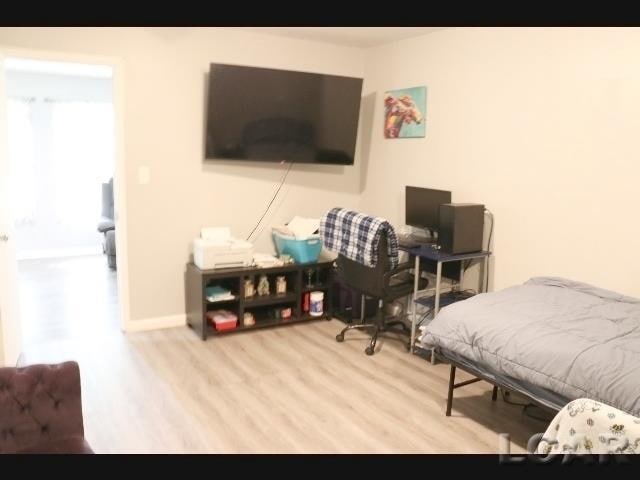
[[481, 374]]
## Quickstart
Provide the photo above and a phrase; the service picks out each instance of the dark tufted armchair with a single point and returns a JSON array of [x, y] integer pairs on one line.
[[41, 410]]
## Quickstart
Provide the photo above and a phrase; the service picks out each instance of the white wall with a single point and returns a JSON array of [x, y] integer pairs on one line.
[[58, 86], [539, 124], [46, 236], [165, 85]]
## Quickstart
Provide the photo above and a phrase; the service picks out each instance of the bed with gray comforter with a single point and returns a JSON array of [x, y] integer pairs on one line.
[[568, 337]]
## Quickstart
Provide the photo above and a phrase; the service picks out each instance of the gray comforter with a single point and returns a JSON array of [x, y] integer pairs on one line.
[[565, 336]]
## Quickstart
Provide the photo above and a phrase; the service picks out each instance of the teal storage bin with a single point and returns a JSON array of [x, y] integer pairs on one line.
[[302, 251]]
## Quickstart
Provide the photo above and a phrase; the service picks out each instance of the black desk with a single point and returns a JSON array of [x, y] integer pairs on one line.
[[429, 252]]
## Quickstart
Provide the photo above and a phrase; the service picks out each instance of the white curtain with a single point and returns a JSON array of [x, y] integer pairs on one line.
[[22, 157], [82, 150]]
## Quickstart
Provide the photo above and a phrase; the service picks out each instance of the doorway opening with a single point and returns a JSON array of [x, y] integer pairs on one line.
[[62, 153]]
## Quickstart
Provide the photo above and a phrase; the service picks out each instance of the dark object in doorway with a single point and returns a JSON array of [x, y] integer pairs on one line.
[[107, 224]]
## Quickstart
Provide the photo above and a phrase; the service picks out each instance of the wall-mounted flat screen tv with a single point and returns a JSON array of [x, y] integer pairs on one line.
[[263, 114]]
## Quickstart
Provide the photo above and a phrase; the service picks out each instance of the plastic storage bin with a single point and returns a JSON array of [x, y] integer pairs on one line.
[[222, 319], [302, 251]]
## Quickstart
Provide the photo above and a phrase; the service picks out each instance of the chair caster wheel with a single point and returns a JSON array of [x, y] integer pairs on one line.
[[369, 350], [340, 337]]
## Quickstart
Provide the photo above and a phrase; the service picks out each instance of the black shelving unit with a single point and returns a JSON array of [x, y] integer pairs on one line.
[[297, 276]]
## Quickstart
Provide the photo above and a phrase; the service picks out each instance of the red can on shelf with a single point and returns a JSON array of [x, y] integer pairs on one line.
[[305, 302]]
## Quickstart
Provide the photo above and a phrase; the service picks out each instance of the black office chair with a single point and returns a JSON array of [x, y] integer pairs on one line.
[[380, 282]]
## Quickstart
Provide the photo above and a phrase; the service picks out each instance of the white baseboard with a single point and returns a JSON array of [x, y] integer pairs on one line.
[[58, 252], [170, 321]]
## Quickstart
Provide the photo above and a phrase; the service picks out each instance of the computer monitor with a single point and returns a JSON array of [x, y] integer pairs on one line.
[[422, 206], [422, 211]]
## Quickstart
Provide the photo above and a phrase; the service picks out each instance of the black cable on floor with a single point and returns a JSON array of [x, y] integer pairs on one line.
[[525, 406], [505, 394], [526, 411]]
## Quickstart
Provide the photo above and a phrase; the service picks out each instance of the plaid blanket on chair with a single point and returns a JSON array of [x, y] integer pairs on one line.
[[356, 236]]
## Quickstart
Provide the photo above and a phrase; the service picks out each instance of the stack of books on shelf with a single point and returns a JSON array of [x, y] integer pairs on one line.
[[218, 294], [264, 260]]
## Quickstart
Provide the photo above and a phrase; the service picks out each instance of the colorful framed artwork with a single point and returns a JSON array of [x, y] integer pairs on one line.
[[404, 112]]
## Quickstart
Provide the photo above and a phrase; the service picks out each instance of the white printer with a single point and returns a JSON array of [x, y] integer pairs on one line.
[[216, 248]]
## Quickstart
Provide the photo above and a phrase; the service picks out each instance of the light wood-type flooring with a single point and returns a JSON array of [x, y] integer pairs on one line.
[[290, 389]]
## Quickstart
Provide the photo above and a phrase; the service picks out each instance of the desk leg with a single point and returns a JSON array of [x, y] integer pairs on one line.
[[436, 304], [416, 277], [485, 280]]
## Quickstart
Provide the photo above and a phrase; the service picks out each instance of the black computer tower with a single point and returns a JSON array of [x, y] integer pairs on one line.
[[461, 227]]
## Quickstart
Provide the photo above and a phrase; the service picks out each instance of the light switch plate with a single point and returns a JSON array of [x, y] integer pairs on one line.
[[144, 175]]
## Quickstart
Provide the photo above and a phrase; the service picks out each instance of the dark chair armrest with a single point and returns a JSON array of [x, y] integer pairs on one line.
[[105, 225], [403, 267]]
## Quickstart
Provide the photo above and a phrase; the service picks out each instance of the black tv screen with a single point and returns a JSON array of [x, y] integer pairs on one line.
[[264, 114]]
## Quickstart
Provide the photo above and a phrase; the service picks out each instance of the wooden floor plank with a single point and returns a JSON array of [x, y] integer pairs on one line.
[[291, 389]]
